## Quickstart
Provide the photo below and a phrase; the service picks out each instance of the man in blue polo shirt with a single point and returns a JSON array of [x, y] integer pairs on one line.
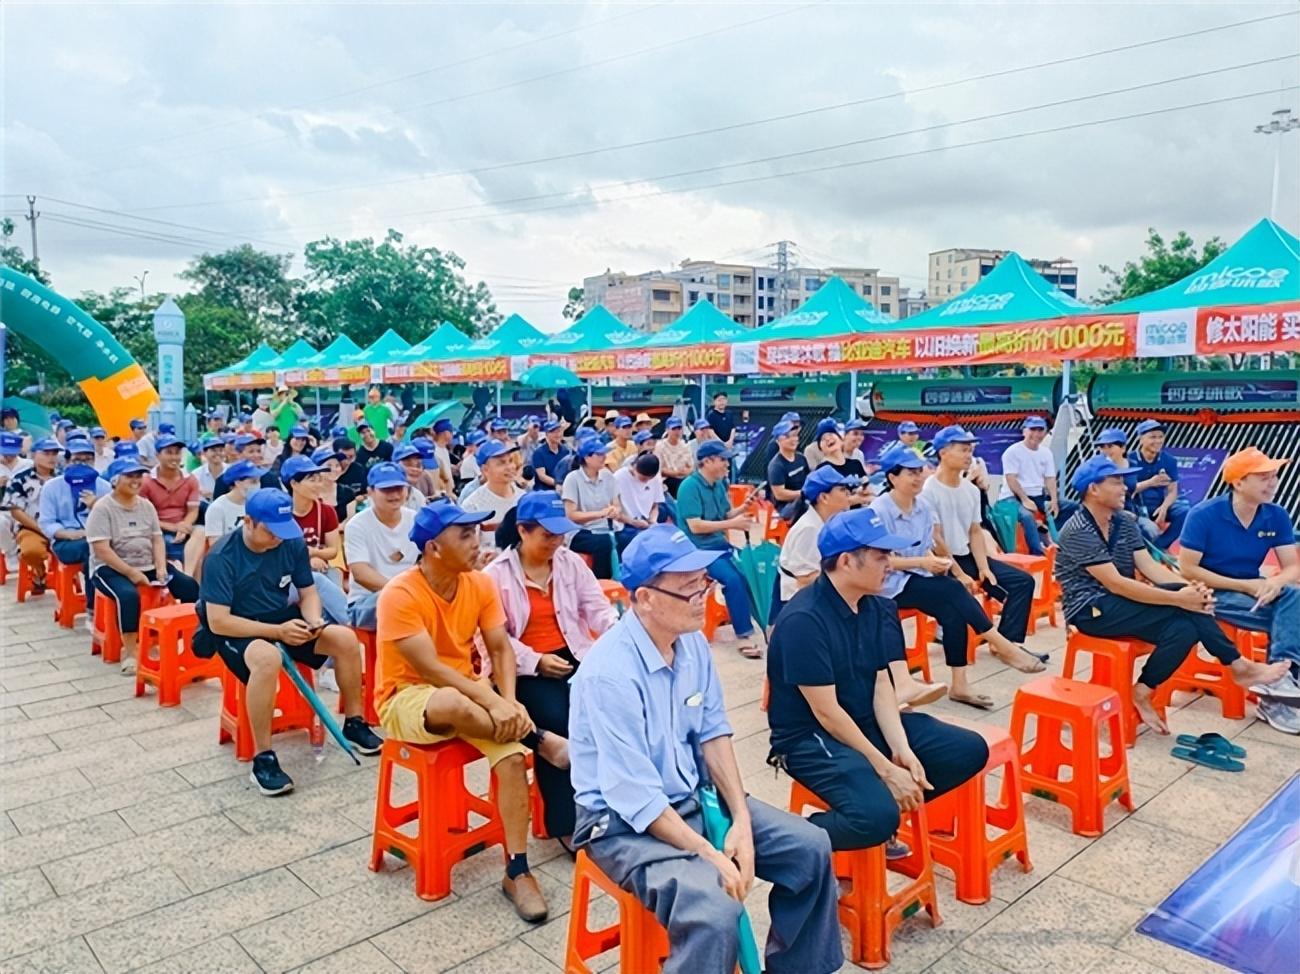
[[647, 725], [1156, 490], [66, 502], [548, 456], [1224, 544], [835, 722]]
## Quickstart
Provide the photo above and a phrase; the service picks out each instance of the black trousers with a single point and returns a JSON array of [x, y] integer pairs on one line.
[[944, 598], [123, 591], [1014, 620], [1173, 632], [547, 703], [863, 813]]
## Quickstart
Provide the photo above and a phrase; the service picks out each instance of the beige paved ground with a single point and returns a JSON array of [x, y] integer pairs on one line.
[[131, 841]]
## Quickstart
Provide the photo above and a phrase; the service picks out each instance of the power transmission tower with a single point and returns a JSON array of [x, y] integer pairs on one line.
[[783, 277], [32, 214]]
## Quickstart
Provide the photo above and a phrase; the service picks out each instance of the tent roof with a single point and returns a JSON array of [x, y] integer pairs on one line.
[[258, 360], [703, 324], [1012, 291], [445, 340], [514, 336], [1239, 275], [295, 353], [382, 350], [332, 354], [596, 331], [835, 309]]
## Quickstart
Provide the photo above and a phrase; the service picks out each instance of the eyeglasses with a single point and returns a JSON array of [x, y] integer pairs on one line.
[[696, 596]]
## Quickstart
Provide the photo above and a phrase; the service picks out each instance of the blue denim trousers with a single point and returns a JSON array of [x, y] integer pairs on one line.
[[1280, 619]]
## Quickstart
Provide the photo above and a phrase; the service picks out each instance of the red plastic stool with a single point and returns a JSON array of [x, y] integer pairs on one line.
[[291, 712], [616, 594], [959, 821], [68, 583], [1046, 588], [1113, 664], [369, 664], [441, 810], [715, 613], [868, 910], [918, 653], [105, 636], [166, 659], [26, 584], [1202, 673], [1250, 644], [4, 569], [642, 942], [1095, 779]]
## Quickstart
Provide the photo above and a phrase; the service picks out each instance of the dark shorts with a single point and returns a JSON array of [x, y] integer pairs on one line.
[[231, 650]]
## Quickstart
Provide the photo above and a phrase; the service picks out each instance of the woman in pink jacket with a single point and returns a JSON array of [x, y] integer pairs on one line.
[[554, 609]]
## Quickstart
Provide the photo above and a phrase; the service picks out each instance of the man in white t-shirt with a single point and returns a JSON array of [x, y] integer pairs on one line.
[[223, 515], [377, 543], [498, 493], [640, 490], [213, 453], [957, 502], [1029, 477]]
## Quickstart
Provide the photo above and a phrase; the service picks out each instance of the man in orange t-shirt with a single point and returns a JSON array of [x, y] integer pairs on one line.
[[428, 689]]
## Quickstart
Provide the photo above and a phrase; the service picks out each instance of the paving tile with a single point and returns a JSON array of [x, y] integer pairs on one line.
[[86, 753], [7, 829], [332, 923], [58, 958], [514, 956], [59, 811], [27, 747], [30, 675], [23, 889], [963, 962], [177, 928], [1167, 859], [1166, 956], [342, 867], [178, 732], [37, 694], [220, 956], [107, 727], [71, 916], [173, 847], [364, 956], [73, 724], [80, 836], [80, 700], [15, 794], [140, 762], [106, 677], [917, 944], [10, 716]]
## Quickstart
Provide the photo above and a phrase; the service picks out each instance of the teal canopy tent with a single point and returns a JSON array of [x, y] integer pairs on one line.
[[1013, 291], [382, 350], [260, 359], [332, 355], [596, 331], [444, 341], [834, 309], [703, 324], [514, 336], [293, 355]]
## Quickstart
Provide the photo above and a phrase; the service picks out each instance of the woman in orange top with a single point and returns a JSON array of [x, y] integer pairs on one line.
[[554, 610]]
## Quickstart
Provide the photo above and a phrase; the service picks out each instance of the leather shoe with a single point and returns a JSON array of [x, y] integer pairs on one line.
[[527, 897]]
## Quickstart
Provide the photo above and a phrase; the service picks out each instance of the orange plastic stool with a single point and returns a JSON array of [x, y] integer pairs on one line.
[[918, 653], [616, 594], [1113, 665], [960, 820], [441, 810], [642, 942], [369, 664], [4, 569], [1047, 590], [1095, 779], [1250, 644], [166, 660], [105, 636], [715, 613], [868, 910], [69, 587], [291, 712], [26, 586], [1203, 673]]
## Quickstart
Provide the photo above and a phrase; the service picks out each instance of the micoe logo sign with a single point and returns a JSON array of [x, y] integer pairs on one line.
[[979, 302], [1261, 278]]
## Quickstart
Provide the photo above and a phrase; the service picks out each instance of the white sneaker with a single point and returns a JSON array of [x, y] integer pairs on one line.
[[128, 666], [326, 680], [1283, 688], [1279, 716]]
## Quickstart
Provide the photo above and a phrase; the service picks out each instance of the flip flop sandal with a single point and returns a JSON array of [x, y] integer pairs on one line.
[[979, 702], [1215, 742], [750, 651], [931, 693], [1207, 757]]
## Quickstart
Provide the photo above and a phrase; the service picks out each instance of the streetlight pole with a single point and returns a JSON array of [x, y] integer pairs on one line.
[[140, 279], [1283, 121]]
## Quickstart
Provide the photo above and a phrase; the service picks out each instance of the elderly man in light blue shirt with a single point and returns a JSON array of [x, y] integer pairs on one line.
[[66, 502], [647, 723]]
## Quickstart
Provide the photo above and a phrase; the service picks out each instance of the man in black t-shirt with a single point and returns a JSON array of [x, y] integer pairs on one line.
[[352, 472], [786, 471], [720, 420], [834, 717], [246, 614], [372, 449]]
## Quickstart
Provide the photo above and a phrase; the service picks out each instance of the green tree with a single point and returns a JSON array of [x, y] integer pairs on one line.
[[12, 255], [252, 282], [1161, 265], [573, 308], [363, 288]]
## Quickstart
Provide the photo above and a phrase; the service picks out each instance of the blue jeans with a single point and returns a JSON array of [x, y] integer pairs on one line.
[[1280, 619], [362, 614], [333, 601], [1174, 527], [1029, 523], [74, 551], [735, 594]]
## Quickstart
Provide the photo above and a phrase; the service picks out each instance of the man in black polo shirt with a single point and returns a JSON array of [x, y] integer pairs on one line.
[[834, 717], [720, 420], [787, 470], [352, 474], [372, 450]]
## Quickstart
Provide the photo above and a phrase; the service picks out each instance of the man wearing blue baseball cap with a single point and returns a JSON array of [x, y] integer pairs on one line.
[[174, 494], [103, 448], [909, 435], [1029, 478], [418, 479], [591, 500], [305, 480], [12, 461], [648, 725], [676, 458], [247, 614], [620, 446], [470, 475], [429, 689], [530, 439], [444, 434], [1156, 490], [498, 494], [705, 514], [212, 452], [377, 543], [224, 514], [827, 426], [549, 455], [22, 502], [855, 434], [126, 550], [1113, 445], [66, 502], [836, 726], [787, 470], [703, 434], [824, 494], [248, 446]]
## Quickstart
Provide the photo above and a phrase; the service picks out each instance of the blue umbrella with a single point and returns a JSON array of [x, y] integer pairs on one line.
[[308, 694]]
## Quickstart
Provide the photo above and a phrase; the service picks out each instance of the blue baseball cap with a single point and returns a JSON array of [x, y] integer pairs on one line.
[[383, 475], [123, 467], [854, 530], [228, 438], [65, 424], [338, 431], [1148, 425], [98, 432], [242, 470], [475, 437], [855, 424], [168, 429], [544, 507], [323, 453], [1035, 423], [591, 446], [713, 448], [552, 424], [443, 425], [950, 435], [674, 423], [428, 452], [531, 420], [55, 415], [1095, 470], [499, 426], [901, 456], [702, 424], [11, 444], [299, 466], [432, 519], [489, 449], [124, 448], [827, 425], [164, 441], [662, 548], [1112, 436], [245, 417], [247, 439], [48, 445], [301, 432], [792, 417], [404, 451], [642, 436], [80, 446], [274, 508], [820, 481], [782, 428], [907, 426], [212, 443], [623, 422], [80, 477]]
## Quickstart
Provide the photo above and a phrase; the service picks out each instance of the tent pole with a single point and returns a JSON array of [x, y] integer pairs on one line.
[[498, 398], [426, 393], [704, 395], [853, 395], [1065, 379]]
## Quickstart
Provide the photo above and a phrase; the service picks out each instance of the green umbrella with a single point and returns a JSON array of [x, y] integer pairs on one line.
[[550, 377], [758, 567]]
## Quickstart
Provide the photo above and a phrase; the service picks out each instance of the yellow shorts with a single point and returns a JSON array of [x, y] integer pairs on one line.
[[401, 717]]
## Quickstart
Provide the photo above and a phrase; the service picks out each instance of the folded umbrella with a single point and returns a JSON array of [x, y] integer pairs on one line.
[[758, 566], [308, 694], [716, 825]]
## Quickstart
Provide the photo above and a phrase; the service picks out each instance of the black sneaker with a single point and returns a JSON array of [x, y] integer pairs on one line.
[[268, 777], [359, 734]]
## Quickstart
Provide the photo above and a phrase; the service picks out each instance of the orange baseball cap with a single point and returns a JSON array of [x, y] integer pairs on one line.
[[1245, 462]]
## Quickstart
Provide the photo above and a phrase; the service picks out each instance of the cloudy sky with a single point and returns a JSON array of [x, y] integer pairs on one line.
[[546, 142]]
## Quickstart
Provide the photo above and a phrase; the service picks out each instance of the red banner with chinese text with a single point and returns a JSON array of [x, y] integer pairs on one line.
[[711, 359], [241, 380], [351, 375], [1248, 329]]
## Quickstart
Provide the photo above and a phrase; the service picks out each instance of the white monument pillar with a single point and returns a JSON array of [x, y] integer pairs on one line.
[[169, 330]]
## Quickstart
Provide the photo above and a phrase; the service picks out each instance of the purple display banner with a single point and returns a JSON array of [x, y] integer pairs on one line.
[[992, 441], [1197, 468]]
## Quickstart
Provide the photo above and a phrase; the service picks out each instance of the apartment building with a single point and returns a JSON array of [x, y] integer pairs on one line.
[[955, 270], [910, 304]]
